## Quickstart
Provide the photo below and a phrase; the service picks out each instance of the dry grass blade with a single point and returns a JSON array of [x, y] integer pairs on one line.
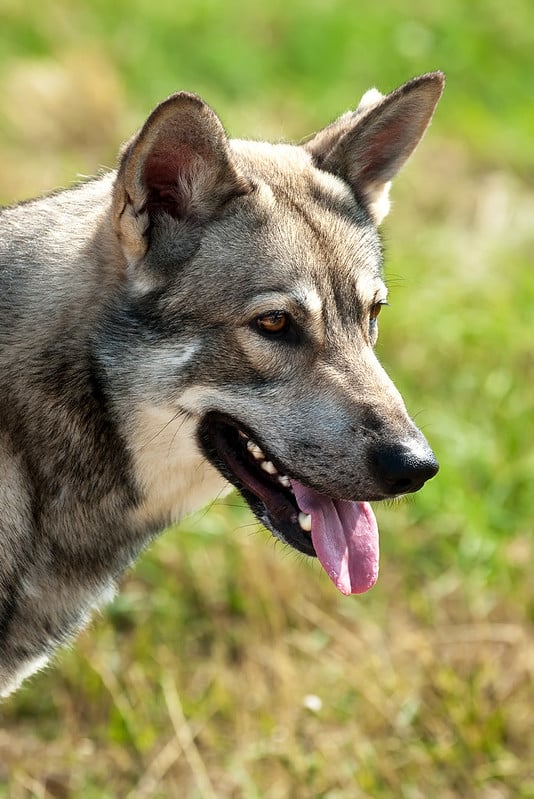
[[186, 739]]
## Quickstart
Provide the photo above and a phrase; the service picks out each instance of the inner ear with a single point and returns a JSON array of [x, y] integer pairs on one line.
[[369, 147], [175, 176], [178, 164]]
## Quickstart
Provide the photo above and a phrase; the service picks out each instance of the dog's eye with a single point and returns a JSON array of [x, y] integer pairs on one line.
[[376, 308], [373, 324], [273, 322]]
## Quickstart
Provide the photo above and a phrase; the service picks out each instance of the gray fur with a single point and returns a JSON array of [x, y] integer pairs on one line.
[[128, 315]]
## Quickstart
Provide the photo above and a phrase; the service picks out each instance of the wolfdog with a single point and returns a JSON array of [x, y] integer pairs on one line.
[[205, 315]]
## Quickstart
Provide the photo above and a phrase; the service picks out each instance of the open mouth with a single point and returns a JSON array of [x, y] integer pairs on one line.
[[263, 484], [341, 533]]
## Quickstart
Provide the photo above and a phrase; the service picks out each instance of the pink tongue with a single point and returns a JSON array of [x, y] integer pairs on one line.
[[345, 537]]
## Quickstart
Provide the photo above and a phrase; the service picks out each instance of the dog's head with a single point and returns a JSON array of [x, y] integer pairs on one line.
[[259, 270]]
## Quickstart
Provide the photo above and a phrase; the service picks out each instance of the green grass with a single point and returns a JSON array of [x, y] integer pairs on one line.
[[197, 681]]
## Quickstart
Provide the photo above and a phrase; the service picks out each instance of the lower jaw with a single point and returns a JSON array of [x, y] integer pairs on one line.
[[285, 529], [270, 503]]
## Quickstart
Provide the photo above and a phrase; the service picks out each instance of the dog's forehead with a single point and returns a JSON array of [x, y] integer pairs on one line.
[[261, 155], [311, 219], [287, 168]]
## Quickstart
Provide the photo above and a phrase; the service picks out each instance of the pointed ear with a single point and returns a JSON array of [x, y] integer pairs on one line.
[[179, 164], [368, 146]]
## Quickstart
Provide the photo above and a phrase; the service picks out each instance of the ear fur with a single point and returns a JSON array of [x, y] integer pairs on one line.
[[179, 164], [369, 146]]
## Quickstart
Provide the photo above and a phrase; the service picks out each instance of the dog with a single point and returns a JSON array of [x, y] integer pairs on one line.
[[203, 317]]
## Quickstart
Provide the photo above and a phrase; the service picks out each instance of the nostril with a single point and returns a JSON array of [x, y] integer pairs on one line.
[[402, 486], [403, 469]]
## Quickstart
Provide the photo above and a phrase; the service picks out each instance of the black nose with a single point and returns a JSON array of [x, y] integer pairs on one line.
[[403, 468]]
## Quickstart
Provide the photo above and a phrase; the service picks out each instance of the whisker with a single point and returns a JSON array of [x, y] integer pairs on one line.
[[223, 504], [171, 443], [210, 504], [165, 426], [256, 527]]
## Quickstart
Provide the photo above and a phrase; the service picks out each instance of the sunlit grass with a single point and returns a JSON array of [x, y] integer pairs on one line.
[[228, 666]]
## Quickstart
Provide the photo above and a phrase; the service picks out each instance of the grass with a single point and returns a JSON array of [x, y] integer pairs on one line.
[[229, 667]]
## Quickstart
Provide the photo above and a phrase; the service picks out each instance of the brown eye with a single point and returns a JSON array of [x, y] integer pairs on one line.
[[376, 308], [373, 323], [273, 322]]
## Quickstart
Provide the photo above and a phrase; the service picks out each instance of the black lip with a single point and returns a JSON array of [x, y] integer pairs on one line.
[[274, 505]]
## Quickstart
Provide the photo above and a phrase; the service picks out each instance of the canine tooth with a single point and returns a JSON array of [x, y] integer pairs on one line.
[[243, 435], [269, 467], [305, 522], [284, 480]]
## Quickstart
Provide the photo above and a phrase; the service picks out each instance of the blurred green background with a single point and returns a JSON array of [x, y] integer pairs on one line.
[[228, 666]]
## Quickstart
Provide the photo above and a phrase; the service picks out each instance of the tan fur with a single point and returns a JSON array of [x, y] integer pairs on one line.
[[173, 474]]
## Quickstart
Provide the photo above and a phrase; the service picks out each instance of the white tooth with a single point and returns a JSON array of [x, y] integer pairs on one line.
[[305, 521], [243, 435], [269, 467], [284, 480], [255, 450]]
